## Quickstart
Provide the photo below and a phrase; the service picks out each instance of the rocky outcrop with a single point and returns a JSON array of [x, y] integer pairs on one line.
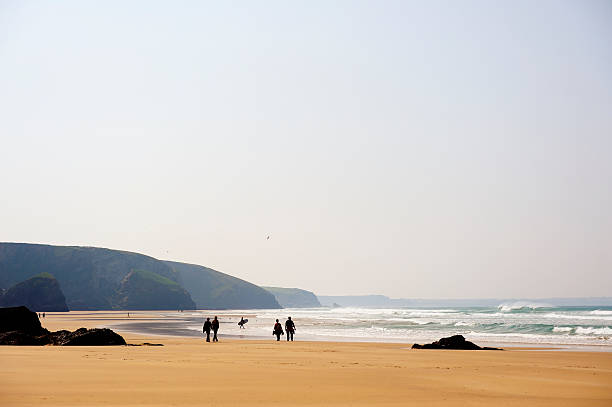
[[20, 319], [41, 293], [452, 342], [22, 338], [20, 326], [87, 337]]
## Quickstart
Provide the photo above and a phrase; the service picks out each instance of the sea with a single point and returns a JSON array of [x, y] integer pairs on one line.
[[518, 324]]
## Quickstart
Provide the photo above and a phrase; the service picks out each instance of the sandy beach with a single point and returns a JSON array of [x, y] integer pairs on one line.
[[191, 372]]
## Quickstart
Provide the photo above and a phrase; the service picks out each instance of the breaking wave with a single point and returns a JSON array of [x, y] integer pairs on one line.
[[521, 306]]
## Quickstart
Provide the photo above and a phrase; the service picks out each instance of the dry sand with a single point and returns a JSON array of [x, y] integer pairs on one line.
[[191, 372]]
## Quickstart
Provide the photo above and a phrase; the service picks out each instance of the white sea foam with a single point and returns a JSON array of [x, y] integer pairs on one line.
[[594, 331], [506, 335], [509, 307], [420, 321], [562, 329], [601, 312], [431, 313], [577, 316], [465, 323]]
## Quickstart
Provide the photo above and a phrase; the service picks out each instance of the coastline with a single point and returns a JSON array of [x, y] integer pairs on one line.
[[179, 325]]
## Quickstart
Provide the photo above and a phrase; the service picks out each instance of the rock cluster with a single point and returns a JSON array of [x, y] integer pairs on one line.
[[20, 326], [452, 342]]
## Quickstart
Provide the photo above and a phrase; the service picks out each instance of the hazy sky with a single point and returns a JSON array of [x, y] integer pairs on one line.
[[413, 149]]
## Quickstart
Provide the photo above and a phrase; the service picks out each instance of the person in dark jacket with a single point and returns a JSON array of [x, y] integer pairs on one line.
[[278, 330], [206, 329], [289, 328], [215, 328]]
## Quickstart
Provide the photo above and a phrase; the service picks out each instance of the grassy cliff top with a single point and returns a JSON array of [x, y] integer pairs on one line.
[[149, 275], [44, 275]]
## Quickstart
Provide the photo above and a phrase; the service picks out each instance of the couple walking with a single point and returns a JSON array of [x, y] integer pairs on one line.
[[208, 325], [289, 327]]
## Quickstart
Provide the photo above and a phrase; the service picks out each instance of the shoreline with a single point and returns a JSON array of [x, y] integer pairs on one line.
[[522, 346], [158, 324]]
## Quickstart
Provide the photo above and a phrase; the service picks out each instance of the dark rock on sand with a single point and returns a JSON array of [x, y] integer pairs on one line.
[[88, 337], [20, 326], [21, 338], [20, 319], [452, 342]]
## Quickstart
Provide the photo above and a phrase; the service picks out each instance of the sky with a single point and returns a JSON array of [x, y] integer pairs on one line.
[[417, 149]]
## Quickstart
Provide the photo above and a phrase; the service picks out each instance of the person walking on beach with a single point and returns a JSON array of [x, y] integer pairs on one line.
[[206, 329], [278, 330], [215, 328], [289, 328]]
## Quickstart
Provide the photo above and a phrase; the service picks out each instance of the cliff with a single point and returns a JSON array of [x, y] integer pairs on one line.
[[294, 297], [93, 278], [211, 289], [41, 293]]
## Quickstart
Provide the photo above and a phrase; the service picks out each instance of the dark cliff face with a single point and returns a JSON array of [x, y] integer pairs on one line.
[[211, 289], [41, 293], [142, 289]]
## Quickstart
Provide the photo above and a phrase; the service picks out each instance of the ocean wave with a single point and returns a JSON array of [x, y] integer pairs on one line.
[[420, 314], [420, 321], [595, 317], [521, 306], [465, 323], [506, 335], [606, 330], [563, 329], [601, 312], [362, 311]]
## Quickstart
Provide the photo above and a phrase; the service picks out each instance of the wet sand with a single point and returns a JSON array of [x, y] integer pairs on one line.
[[191, 372]]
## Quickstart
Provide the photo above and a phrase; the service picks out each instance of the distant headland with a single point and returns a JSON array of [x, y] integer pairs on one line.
[[91, 278]]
